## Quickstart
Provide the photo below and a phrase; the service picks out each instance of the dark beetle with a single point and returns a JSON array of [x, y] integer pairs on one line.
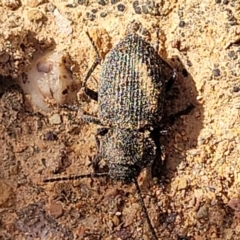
[[131, 96]]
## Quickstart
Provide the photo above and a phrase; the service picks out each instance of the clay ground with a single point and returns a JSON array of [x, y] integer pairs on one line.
[[199, 197]]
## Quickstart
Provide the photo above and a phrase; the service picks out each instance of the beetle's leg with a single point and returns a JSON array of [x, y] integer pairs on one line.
[[171, 118], [81, 114], [90, 119], [92, 94], [97, 159]]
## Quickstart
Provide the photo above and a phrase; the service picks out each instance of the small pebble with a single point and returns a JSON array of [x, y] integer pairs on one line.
[[180, 13], [182, 24], [102, 2], [118, 214], [50, 136], [153, 8], [55, 119], [182, 184], [135, 4], [55, 209], [90, 16], [50, 7], [171, 217], [145, 32], [216, 72], [145, 9], [115, 221], [202, 212], [71, 5], [229, 12], [34, 3], [6, 192], [236, 89], [35, 15], [234, 203], [176, 44], [231, 54], [11, 4], [39, 124], [121, 7], [94, 10], [138, 10], [103, 14], [114, 1], [124, 233], [83, 2]]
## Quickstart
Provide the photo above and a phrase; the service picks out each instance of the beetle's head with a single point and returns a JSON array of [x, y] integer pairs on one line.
[[127, 152]]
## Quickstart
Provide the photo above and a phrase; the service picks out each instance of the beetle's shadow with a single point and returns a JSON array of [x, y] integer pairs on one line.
[[181, 132]]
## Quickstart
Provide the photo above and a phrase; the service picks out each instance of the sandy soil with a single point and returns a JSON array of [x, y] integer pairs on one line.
[[200, 196]]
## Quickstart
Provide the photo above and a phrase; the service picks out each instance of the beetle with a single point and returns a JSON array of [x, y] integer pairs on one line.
[[131, 95]]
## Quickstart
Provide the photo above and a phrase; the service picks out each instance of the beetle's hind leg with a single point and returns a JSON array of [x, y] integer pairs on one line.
[[170, 119], [89, 92], [185, 111]]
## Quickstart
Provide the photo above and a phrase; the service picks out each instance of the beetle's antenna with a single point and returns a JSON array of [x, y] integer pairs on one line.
[[75, 177], [95, 63], [145, 210]]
